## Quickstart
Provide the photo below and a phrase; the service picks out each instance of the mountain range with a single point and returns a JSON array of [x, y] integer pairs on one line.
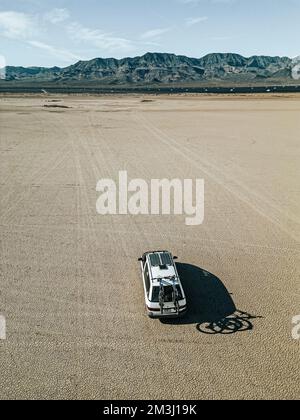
[[160, 68]]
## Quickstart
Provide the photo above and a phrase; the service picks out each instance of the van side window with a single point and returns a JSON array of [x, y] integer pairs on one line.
[[147, 278]]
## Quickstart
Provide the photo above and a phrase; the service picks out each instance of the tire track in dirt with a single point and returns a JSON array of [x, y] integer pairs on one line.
[[212, 172], [214, 251], [36, 177]]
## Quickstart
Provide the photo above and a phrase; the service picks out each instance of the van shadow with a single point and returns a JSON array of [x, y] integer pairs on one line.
[[210, 305]]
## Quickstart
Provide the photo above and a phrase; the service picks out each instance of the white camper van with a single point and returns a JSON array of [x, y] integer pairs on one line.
[[164, 295]]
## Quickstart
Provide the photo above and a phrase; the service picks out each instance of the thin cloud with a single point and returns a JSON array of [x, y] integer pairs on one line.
[[198, 2], [194, 21], [16, 25], [98, 39], [155, 33], [57, 15], [222, 38], [24, 28], [192, 2], [59, 53]]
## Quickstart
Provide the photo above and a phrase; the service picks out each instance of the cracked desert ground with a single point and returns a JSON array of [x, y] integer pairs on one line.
[[70, 283]]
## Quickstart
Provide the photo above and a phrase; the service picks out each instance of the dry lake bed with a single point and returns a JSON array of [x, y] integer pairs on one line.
[[70, 284]]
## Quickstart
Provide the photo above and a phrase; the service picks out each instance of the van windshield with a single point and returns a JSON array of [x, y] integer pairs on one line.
[[168, 293]]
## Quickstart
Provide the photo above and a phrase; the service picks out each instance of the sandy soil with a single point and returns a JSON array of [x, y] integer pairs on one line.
[[70, 286]]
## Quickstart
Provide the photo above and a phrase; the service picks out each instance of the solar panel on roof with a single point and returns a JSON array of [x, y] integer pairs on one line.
[[154, 259], [165, 259]]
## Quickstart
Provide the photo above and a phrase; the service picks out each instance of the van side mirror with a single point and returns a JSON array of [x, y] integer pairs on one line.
[[140, 259], [175, 258]]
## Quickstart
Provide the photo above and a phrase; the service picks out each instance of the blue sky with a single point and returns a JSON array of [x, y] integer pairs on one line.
[[61, 32]]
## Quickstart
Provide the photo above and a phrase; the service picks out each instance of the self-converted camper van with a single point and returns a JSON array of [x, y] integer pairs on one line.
[[164, 295]]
